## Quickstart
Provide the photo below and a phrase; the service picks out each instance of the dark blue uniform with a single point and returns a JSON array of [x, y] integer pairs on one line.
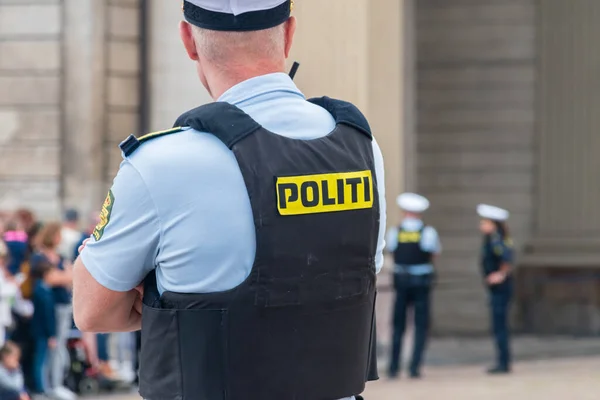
[[43, 327], [497, 251], [413, 277]]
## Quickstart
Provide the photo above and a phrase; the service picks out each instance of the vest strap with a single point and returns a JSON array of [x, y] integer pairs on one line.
[[223, 120], [345, 113], [231, 125]]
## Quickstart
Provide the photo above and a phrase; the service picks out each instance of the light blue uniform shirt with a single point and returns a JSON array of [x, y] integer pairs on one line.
[[430, 243], [181, 205]]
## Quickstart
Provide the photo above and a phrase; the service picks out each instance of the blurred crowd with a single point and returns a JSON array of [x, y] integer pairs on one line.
[[38, 338]]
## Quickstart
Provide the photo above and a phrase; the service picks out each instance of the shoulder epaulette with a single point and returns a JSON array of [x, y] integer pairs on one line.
[[129, 145]]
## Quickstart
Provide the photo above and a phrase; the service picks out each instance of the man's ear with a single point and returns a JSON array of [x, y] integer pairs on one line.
[[290, 31], [187, 37]]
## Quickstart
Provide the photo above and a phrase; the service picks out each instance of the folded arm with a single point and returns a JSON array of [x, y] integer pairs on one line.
[[98, 309]]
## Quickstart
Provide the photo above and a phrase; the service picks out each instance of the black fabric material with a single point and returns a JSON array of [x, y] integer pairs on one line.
[[405, 280], [226, 122], [129, 145], [345, 114], [302, 325], [250, 21], [492, 262], [410, 253], [231, 125], [373, 370]]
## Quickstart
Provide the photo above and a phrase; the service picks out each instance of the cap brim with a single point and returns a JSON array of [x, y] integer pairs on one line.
[[250, 21]]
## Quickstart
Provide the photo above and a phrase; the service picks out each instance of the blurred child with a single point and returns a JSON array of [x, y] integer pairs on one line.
[[8, 294], [8, 290], [16, 239], [60, 279], [11, 377], [43, 323]]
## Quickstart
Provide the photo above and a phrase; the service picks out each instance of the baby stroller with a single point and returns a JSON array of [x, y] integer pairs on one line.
[[81, 377]]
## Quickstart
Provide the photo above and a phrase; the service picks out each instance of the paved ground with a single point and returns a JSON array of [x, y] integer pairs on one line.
[[477, 351], [538, 380], [557, 379]]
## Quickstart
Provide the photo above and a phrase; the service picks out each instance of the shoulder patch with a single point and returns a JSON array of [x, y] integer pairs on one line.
[[104, 215], [498, 250]]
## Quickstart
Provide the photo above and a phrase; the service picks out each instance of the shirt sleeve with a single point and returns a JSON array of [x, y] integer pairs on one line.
[[20, 381], [430, 242], [10, 381], [380, 176], [124, 246]]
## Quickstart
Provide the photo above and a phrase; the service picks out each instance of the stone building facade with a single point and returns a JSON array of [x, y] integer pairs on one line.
[[471, 101], [69, 84]]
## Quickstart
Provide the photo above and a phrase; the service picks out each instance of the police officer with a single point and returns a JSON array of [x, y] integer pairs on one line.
[[496, 261], [256, 225], [414, 246]]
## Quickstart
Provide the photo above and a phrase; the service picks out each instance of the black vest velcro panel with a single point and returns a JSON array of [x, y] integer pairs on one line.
[[409, 250], [302, 324]]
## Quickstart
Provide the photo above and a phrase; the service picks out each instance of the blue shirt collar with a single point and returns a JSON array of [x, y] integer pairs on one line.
[[260, 85], [412, 223]]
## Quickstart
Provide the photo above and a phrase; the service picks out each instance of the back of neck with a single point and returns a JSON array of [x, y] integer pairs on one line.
[[221, 80]]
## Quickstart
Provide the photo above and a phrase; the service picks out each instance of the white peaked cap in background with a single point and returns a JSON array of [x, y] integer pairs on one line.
[[412, 202], [492, 212]]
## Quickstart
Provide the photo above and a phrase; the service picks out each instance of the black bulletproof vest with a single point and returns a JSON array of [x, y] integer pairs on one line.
[[409, 250], [302, 324]]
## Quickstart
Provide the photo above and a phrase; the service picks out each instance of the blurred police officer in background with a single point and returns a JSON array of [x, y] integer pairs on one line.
[[257, 226], [497, 261], [414, 246]]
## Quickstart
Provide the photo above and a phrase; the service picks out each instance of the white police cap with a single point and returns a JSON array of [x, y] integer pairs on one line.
[[412, 202], [237, 15], [492, 212]]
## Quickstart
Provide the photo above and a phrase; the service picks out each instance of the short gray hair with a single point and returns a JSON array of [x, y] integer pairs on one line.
[[218, 46]]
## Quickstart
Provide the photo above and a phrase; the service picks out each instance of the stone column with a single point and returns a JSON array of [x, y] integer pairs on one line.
[[83, 134], [30, 106], [122, 81], [567, 228], [560, 290], [391, 103], [101, 94]]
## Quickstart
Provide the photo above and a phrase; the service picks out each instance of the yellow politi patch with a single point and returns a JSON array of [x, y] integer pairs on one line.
[[409, 237], [292, 5], [104, 215], [312, 194]]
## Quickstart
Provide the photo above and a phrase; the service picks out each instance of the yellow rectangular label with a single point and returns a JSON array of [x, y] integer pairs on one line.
[[409, 237], [313, 194]]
